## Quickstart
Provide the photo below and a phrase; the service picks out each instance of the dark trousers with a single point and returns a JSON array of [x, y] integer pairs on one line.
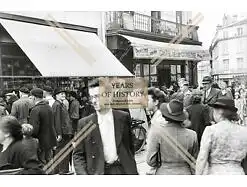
[[45, 155], [114, 169], [74, 125], [63, 166]]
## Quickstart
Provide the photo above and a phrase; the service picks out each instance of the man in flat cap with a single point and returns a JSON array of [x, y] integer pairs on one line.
[[41, 118], [21, 107]]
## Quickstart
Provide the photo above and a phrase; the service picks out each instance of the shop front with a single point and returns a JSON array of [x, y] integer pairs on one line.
[[158, 62], [34, 53]]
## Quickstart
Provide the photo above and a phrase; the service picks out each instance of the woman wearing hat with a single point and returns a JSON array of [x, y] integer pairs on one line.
[[223, 145], [165, 138]]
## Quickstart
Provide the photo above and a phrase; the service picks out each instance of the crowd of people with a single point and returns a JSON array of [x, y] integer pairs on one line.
[[190, 131]]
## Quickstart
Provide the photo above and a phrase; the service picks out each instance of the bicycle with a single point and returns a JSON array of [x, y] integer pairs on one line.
[[139, 134]]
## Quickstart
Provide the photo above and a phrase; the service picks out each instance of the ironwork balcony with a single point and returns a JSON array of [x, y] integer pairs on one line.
[[139, 22]]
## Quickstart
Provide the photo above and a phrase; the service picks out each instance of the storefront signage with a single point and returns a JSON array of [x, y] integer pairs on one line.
[[171, 53]]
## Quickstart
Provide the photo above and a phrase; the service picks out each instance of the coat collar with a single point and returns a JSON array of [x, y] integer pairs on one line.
[[118, 128], [211, 94]]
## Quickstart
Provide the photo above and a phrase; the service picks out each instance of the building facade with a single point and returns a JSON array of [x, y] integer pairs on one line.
[[229, 49], [140, 39]]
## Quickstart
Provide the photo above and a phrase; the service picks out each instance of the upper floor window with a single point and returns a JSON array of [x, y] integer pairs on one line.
[[240, 31], [240, 45], [225, 34], [226, 65], [240, 63], [225, 48]]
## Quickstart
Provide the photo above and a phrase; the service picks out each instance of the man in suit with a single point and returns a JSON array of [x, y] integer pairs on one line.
[[108, 149], [210, 95], [42, 120]]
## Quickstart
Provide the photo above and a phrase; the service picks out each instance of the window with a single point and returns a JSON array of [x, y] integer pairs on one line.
[[226, 65], [225, 48], [240, 63], [240, 31], [240, 45], [225, 34]]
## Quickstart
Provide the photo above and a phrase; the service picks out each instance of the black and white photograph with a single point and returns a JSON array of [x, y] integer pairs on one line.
[[138, 92]]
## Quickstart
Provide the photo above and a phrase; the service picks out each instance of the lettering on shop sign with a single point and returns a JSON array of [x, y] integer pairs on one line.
[[171, 53], [123, 92]]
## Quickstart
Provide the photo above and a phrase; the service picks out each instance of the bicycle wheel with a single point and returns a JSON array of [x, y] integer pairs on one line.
[[139, 138]]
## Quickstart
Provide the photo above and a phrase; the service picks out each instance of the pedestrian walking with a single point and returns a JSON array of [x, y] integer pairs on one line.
[[42, 120], [21, 107], [223, 145], [10, 99], [15, 153], [239, 103], [74, 108], [108, 149], [210, 94], [164, 139], [198, 114], [63, 128]]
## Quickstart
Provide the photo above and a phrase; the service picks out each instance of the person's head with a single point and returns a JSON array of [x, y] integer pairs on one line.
[[222, 85], [224, 109], [10, 129], [173, 111], [37, 94], [27, 130], [47, 91], [59, 94], [196, 96], [207, 82], [178, 96], [155, 98], [184, 86], [73, 95], [94, 92], [24, 91]]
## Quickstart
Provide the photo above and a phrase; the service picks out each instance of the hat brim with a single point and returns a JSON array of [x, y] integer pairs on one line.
[[180, 118], [223, 106], [59, 92], [206, 82]]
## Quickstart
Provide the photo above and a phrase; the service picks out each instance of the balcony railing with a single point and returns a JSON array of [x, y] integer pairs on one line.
[[139, 22]]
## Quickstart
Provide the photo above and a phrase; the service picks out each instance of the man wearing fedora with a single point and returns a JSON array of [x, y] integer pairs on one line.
[[21, 107], [63, 127], [108, 149], [41, 118], [210, 94], [167, 137]]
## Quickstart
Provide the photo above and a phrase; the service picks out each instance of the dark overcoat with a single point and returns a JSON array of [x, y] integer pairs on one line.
[[88, 156], [41, 118]]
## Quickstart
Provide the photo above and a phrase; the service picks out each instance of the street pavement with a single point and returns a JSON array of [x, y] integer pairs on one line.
[[142, 166]]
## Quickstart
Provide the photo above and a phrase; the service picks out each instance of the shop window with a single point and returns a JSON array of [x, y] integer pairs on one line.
[[146, 69]]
